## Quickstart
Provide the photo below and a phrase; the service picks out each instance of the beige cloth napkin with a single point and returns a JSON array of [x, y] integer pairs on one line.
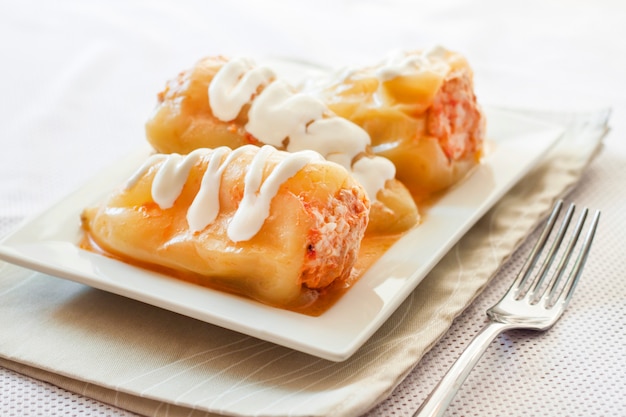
[[155, 362]]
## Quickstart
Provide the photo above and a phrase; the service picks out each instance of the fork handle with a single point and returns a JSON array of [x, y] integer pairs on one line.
[[442, 395]]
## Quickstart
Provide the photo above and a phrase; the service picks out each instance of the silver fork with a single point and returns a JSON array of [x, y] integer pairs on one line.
[[535, 301]]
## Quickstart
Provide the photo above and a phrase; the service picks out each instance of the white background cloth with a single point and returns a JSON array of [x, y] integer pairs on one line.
[[79, 79]]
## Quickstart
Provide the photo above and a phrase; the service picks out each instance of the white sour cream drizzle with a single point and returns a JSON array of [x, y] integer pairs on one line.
[[254, 207], [401, 63], [280, 117], [397, 64], [230, 90]]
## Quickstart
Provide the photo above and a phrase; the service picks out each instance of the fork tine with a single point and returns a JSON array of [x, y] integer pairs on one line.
[[534, 291], [576, 272], [528, 266], [560, 270]]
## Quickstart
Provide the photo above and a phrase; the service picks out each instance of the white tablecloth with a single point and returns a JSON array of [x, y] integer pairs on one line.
[[80, 78]]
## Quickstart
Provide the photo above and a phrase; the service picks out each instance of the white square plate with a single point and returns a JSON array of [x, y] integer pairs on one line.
[[48, 244]]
